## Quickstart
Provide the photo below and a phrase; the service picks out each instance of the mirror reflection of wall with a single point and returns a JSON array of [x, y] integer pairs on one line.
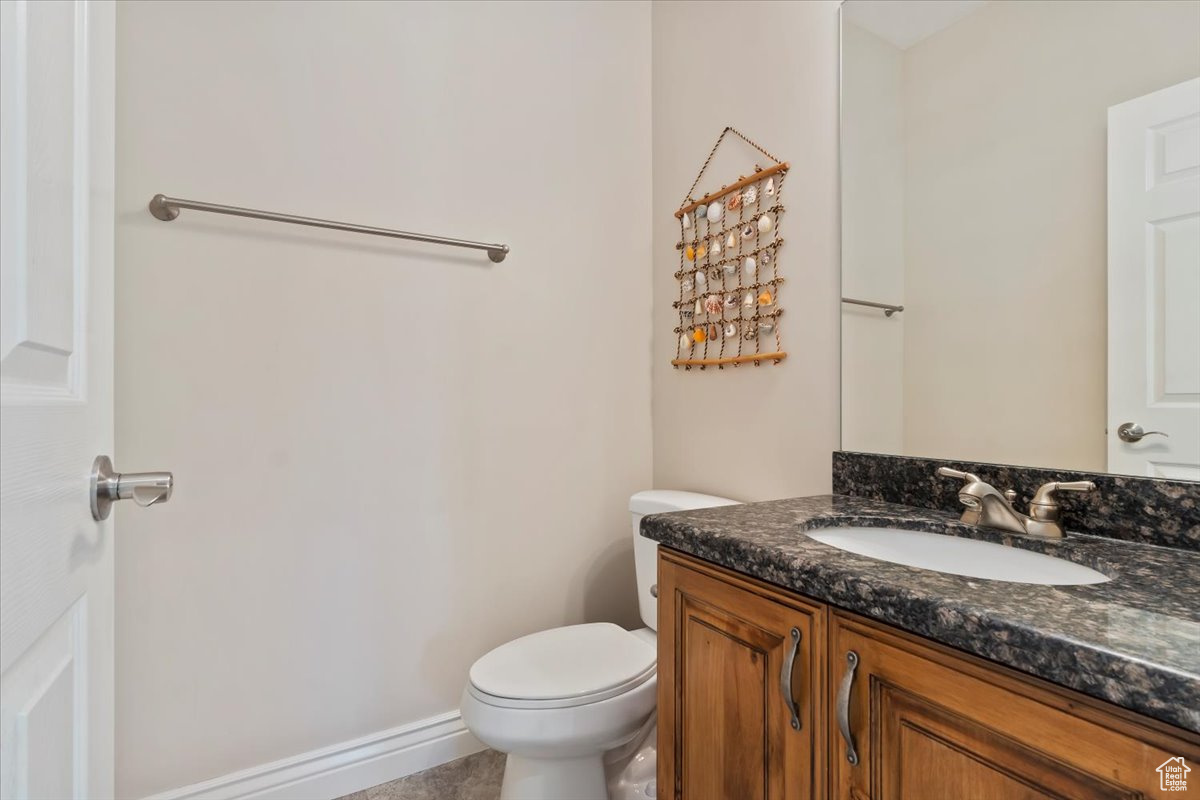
[[975, 169]]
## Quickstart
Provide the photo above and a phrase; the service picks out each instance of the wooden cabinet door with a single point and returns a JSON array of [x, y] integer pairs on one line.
[[926, 722], [740, 693]]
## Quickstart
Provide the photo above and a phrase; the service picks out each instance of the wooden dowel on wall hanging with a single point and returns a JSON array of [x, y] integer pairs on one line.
[[713, 362], [741, 184]]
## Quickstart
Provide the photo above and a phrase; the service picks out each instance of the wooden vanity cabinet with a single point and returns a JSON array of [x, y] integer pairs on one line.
[[927, 722], [740, 688]]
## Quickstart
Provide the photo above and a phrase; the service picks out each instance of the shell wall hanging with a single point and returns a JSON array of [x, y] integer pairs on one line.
[[728, 273]]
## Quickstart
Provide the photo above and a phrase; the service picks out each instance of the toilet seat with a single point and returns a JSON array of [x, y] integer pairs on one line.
[[563, 667]]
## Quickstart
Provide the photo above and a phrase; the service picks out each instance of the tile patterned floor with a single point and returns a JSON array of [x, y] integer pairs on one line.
[[476, 777]]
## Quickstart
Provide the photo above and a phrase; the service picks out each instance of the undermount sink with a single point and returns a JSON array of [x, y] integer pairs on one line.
[[955, 555]]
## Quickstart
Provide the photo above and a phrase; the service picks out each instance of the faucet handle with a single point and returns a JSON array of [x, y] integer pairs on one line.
[[1046, 492], [1045, 506], [1075, 486], [966, 477]]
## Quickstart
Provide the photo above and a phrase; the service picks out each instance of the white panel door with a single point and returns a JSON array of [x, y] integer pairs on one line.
[[56, 405], [1154, 282]]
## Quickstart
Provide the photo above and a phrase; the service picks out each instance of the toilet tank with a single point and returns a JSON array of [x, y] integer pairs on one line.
[[645, 551]]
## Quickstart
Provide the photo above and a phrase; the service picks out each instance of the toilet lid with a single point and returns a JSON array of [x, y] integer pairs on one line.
[[572, 662]]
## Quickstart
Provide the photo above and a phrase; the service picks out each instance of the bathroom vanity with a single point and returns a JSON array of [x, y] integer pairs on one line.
[[789, 668], [1019, 190], [1018, 284]]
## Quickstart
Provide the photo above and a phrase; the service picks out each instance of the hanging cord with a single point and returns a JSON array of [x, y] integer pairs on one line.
[[721, 237], [775, 264], [758, 199], [738, 290], [678, 341], [703, 268], [713, 152]]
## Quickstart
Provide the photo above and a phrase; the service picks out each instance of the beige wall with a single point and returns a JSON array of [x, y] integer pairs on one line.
[[390, 457], [1006, 204], [766, 432], [872, 242]]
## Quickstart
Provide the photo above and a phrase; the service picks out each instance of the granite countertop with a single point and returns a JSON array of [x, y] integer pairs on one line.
[[1133, 641]]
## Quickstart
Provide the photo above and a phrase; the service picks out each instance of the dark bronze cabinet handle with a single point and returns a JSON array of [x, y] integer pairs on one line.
[[785, 679], [843, 706]]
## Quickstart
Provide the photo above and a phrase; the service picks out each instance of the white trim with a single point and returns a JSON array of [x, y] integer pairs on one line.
[[343, 768]]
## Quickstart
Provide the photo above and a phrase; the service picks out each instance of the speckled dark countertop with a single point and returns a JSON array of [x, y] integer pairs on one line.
[[1133, 641]]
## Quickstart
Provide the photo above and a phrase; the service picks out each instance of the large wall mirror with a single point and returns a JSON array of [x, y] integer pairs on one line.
[[1022, 177]]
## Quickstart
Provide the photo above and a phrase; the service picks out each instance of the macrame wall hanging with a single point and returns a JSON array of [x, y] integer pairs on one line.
[[729, 269]]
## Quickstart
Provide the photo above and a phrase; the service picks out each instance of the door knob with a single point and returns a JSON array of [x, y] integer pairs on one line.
[[144, 488], [1132, 432]]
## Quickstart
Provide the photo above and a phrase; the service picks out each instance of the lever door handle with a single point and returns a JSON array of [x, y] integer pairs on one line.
[[1132, 432], [144, 488]]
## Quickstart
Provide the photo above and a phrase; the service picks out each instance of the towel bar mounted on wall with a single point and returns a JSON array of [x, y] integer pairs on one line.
[[167, 209], [888, 308]]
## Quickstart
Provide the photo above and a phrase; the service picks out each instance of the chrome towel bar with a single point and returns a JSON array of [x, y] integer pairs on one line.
[[167, 209], [888, 308]]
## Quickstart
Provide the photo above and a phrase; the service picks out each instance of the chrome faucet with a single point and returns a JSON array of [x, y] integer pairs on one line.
[[988, 508]]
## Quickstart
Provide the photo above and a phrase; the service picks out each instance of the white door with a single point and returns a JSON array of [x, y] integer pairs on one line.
[[56, 366], [1154, 284]]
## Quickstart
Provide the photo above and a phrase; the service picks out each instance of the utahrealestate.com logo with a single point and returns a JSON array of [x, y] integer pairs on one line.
[[1173, 775]]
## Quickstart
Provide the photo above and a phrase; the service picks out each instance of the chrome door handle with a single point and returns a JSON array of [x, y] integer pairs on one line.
[[1132, 432], [144, 488], [785, 679], [843, 706]]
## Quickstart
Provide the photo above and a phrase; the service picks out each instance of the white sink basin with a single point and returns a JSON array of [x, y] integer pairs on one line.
[[958, 556]]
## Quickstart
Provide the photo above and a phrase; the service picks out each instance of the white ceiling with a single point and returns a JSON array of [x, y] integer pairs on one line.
[[906, 22]]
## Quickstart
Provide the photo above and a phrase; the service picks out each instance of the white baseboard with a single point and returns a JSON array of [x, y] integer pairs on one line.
[[343, 768]]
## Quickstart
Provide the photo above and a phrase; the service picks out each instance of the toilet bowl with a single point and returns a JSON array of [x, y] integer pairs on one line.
[[556, 701], [574, 707]]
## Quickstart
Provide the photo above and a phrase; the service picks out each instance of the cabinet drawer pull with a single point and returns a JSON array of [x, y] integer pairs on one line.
[[785, 679], [843, 706]]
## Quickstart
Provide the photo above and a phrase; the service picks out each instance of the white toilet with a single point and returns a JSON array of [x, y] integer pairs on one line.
[[574, 707]]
